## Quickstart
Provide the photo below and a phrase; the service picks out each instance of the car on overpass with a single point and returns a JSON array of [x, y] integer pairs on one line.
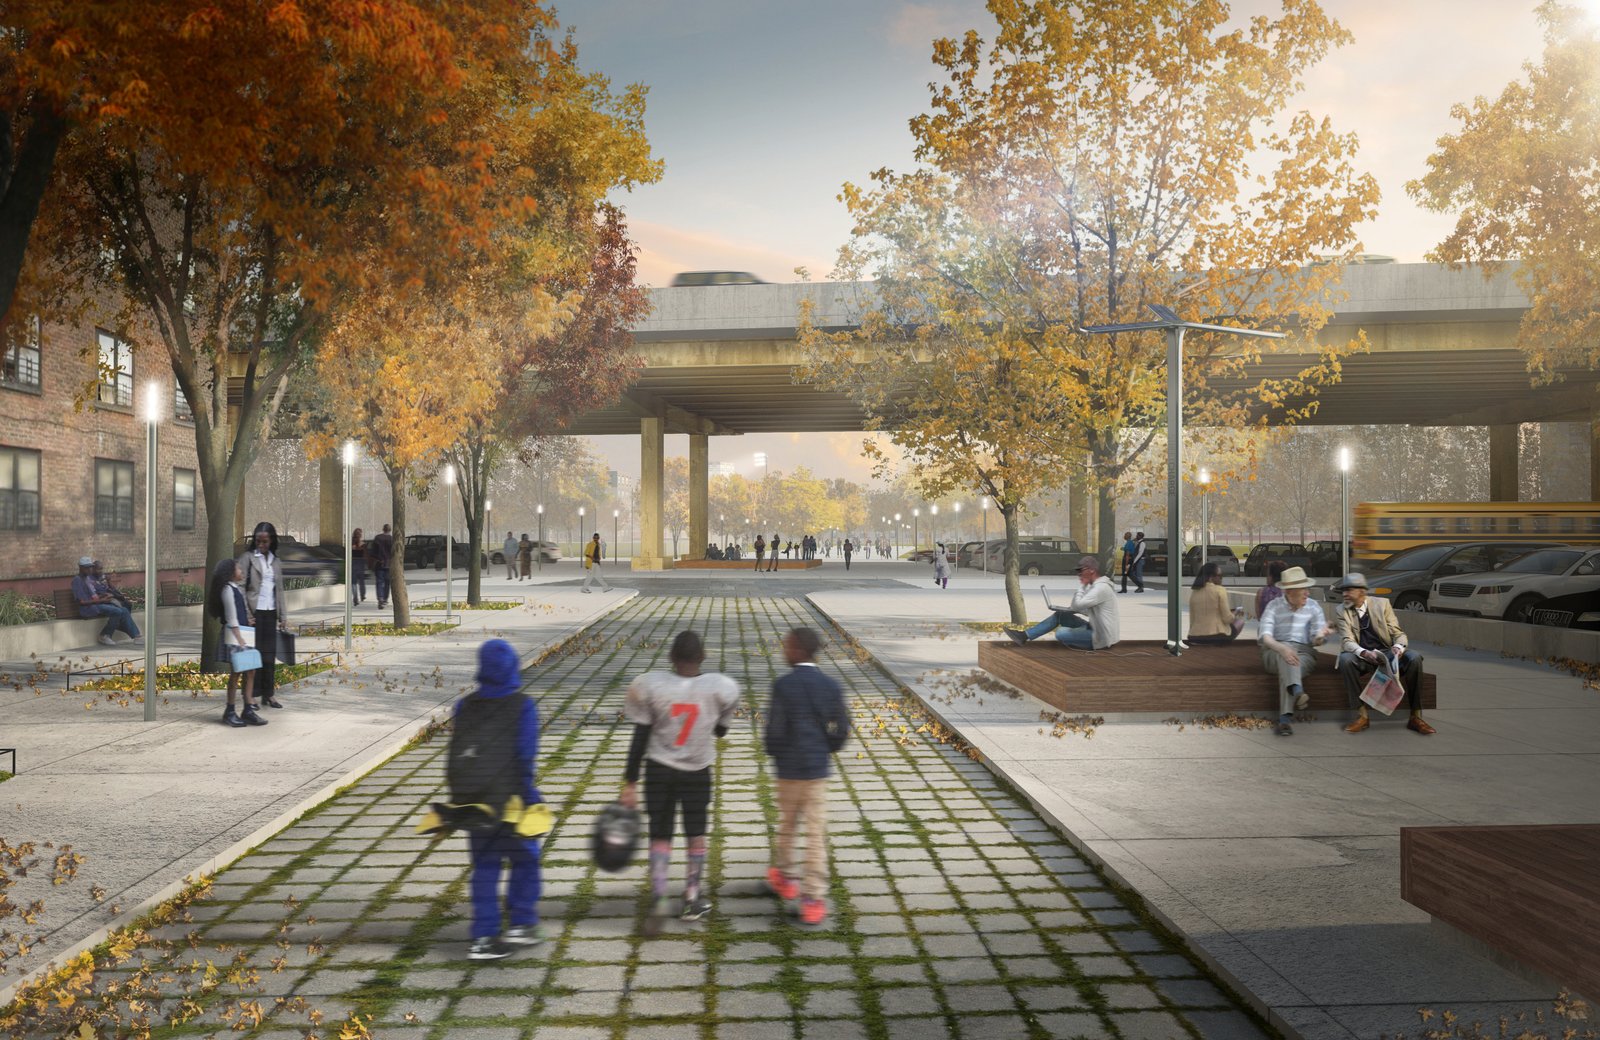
[[1521, 586], [1406, 578], [688, 278]]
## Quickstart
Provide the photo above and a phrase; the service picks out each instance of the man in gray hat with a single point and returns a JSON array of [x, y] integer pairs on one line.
[[1370, 634], [93, 601], [1090, 622]]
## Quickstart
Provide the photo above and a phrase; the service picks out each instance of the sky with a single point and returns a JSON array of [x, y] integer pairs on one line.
[[763, 109]]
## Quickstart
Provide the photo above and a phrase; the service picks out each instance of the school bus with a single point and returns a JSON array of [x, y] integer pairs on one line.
[[1382, 529]]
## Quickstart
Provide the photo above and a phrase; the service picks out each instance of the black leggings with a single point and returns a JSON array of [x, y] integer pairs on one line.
[[666, 788]]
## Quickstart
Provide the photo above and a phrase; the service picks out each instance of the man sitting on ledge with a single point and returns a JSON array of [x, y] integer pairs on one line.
[[1091, 622], [1369, 634]]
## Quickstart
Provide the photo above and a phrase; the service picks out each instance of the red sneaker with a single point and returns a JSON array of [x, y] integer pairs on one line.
[[781, 886], [813, 912]]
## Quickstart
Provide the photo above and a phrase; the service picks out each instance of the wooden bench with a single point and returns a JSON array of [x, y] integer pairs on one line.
[[169, 595], [1531, 893], [66, 605], [1139, 675]]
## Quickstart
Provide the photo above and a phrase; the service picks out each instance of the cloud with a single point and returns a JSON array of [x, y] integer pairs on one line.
[[914, 27]]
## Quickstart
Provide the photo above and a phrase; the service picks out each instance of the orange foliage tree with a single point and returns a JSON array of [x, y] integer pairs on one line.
[[1092, 158]]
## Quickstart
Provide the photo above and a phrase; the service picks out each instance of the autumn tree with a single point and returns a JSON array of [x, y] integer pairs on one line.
[[674, 500], [1519, 175], [1090, 159], [346, 156]]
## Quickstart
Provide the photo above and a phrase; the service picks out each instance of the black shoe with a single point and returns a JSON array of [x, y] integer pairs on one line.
[[251, 718], [488, 948], [1016, 637], [1283, 729], [271, 702], [231, 718]]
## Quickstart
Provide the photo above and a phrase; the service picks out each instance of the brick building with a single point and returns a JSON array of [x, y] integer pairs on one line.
[[72, 460]]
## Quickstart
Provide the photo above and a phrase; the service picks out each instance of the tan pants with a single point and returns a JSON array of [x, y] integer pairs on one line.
[[804, 800]]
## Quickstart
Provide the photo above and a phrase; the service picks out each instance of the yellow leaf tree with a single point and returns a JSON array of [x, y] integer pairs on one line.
[[1089, 159], [1520, 176]]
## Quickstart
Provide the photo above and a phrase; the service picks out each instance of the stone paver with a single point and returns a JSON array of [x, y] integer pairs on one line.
[[957, 913]]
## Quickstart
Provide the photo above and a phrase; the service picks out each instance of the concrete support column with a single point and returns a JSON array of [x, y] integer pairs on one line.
[[699, 495], [652, 448], [1594, 457], [330, 500], [1503, 467]]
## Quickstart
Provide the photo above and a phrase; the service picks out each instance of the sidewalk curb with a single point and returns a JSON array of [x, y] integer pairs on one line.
[[225, 858], [1119, 873]]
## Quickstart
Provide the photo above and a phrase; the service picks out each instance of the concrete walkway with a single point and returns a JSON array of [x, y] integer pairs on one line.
[[1277, 857], [148, 804]]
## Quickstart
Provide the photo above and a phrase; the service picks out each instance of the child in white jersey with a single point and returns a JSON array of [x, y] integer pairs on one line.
[[677, 717]]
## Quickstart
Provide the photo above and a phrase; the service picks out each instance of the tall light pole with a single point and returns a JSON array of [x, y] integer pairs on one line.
[[580, 534], [349, 561], [897, 536], [1205, 518], [916, 532], [488, 522], [983, 507], [1344, 509], [616, 522], [152, 420], [1174, 327], [449, 537], [538, 550]]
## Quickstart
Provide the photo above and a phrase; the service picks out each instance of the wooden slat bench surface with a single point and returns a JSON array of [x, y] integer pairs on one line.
[[1531, 892], [66, 605], [1140, 676]]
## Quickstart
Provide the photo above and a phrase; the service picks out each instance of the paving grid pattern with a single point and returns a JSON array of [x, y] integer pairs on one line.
[[958, 912]]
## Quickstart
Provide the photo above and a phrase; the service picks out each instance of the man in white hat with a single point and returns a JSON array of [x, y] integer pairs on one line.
[[1290, 629], [96, 602], [1370, 634]]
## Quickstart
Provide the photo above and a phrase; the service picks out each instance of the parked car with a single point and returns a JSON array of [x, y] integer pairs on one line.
[[1327, 559], [1405, 578], [1219, 554], [1578, 610], [927, 555], [1034, 555], [1293, 554], [551, 553], [427, 550], [1519, 587], [970, 555], [296, 559], [1155, 557]]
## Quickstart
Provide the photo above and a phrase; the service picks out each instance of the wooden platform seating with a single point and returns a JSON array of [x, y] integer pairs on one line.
[[1531, 893], [1140, 676], [744, 565], [66, 605]]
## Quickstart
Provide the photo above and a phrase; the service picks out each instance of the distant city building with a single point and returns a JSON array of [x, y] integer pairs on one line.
[[722, 469]]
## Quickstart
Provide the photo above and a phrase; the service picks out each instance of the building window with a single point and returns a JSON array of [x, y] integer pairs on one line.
[[183, 500], [19, 489], [180, 404], [1463, 525], [113, 495], [19, 355], [116, 370]]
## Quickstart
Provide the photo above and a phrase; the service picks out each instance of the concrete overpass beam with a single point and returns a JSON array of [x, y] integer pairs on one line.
[[699, 495], [1504, 471], [330, 500], [651, 451]]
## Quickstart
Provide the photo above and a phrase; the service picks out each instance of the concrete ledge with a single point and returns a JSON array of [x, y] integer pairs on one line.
[[20, 642]]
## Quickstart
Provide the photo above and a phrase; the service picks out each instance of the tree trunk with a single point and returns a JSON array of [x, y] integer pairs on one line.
[[221, 497], [397, 565], [1019, 610], [474, 564], [26, 184], [1107, 546]]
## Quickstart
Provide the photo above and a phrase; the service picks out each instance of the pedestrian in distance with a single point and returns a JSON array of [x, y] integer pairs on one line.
[[941, 566], [593, 553], [761, 550], [807, 723], [1139, 548], [849, 547], [265, 599], [525, 556], [772, 551], [677, 717], [225, 602], [382, 556], [1128, 548], [1270, 591], [494, 742], [508, 553], [97, 601], [358, 567]]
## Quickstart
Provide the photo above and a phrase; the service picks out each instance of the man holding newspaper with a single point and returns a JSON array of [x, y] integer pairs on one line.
[[1090, 622], [1371, 638]]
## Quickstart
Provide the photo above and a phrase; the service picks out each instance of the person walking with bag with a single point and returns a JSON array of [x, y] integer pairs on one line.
[[225, 602], [382, 556], [264, 597], [807, 723], [1139, 548], [358, 567], [593, 553]]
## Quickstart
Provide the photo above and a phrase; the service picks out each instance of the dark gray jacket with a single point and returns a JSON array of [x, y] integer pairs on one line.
[[806, 723]]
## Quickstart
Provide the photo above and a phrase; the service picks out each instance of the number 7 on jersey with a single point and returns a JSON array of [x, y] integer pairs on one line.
[[692, 712]]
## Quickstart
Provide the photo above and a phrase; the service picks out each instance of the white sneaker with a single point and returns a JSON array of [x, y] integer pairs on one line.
[[108, 641]]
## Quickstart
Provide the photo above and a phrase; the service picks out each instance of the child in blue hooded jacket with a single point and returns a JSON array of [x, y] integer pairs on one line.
[[498, 702]]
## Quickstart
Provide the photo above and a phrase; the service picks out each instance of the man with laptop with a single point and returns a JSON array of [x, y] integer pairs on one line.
[[1089, 622]]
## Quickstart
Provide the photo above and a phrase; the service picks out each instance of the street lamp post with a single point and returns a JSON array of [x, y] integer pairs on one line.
[[488, 522], [983, 506], [152, 420], [538, 550], [349, 561], [580, 535], [449, 538], [916, 531], [958, 535], [1174, 327], [1205, 518], [897, 536], [616, 522], [1344, 510]]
